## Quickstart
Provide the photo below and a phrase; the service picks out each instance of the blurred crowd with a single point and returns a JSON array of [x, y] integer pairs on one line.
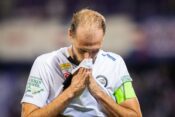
[[150, 59]]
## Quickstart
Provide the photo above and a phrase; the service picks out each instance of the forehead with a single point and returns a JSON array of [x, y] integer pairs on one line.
[[89, 36]]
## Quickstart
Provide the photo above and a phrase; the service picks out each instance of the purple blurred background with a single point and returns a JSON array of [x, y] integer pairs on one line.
[[141, 31]]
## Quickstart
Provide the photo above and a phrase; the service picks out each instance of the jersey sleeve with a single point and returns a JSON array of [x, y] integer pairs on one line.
[[37, 87], [124, 89], [122, 73]]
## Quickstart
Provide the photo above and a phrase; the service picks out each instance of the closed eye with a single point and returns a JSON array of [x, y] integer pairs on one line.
[[82, 51], [92, 52]]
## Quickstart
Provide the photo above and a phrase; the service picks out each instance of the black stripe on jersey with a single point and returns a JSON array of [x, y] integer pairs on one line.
[[73, 61]]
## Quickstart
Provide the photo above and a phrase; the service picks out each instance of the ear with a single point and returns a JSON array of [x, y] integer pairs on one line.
[[70, 35]]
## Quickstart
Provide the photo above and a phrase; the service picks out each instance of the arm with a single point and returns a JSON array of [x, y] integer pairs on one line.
[[50, 110], [128, 108], [58, 105]]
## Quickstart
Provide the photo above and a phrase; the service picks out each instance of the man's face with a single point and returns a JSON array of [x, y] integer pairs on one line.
[[86, 42]]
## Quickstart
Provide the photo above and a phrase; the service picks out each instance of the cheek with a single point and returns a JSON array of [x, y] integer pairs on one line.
[[79, 56]]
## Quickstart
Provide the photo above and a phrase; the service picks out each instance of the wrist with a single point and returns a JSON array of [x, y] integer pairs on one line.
[[71, 92], [95, 89]]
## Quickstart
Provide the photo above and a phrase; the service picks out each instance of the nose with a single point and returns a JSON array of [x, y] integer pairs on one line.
[[87, 55]]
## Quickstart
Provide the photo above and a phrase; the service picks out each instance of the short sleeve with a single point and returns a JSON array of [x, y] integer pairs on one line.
[[122, 73], [37, 87]]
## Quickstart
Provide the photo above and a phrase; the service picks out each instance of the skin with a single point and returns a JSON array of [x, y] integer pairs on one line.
[[85, 44]]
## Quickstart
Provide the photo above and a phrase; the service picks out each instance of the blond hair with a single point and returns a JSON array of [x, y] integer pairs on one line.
[[87, 17]]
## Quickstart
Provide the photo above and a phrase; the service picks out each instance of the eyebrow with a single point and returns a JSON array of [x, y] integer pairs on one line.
[[86, 50]]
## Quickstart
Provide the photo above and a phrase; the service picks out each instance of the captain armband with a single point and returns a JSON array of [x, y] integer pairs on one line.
[[124, 92]]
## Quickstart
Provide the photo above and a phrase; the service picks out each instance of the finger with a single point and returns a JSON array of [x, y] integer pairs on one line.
[[83, 75], [87, 74], [89, 71], [83, 72], [80, 71], [87, 77]]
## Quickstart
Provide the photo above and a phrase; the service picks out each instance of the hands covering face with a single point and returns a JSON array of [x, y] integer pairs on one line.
[[83, 78]]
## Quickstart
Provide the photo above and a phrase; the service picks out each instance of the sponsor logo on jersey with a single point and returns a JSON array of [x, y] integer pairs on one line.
[[65, 66], [102, 79]]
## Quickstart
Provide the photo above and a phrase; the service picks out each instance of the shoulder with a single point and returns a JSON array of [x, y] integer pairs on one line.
[[51, 58], [45, 58]]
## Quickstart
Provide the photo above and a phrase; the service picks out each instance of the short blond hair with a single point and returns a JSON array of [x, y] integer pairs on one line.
[[87, 17]]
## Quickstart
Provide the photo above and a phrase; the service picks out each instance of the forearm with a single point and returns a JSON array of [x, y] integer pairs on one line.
[[112, 108], [54, 108], [128, 108]]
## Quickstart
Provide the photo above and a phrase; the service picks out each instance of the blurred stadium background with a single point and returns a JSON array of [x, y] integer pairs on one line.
[[141, 31]]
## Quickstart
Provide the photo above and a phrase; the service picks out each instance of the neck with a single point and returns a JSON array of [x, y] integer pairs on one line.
[[73, 59]]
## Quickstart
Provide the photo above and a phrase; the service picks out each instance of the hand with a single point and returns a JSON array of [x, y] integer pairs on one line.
[[80, 81], [93, 86]]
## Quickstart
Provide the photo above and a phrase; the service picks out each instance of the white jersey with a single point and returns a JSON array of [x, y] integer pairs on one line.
[[49, 71]]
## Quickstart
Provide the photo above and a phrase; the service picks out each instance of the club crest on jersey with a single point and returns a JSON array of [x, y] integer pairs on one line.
[[65, 66], [102, 79]]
